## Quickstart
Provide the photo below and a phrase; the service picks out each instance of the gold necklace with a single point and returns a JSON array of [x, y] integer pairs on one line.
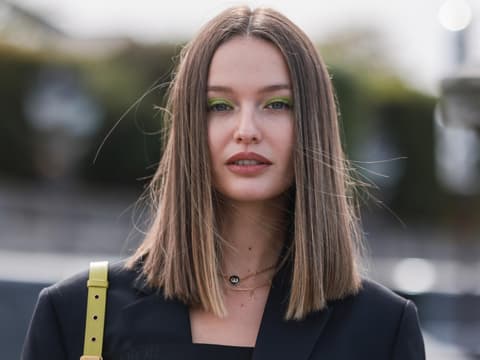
[[251, 290], [234, 279]]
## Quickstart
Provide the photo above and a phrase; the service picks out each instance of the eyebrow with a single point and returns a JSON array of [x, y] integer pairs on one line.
[[265, 89]]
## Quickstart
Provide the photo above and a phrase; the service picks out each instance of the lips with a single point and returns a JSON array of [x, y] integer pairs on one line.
[[248, 156]]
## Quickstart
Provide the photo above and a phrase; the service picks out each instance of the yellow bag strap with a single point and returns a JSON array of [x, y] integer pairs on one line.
[[96, 302]]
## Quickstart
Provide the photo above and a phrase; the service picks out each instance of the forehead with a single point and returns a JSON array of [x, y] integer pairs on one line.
[[247, 61]]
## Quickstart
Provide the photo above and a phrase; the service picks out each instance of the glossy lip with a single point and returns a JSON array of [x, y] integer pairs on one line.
[[249, 156]]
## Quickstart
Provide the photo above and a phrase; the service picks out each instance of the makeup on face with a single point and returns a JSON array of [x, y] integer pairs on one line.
[[220, 104], [285, 102], [250, 120]]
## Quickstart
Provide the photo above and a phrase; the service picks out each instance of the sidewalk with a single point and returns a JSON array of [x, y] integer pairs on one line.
[[46, 219], [47, 234]]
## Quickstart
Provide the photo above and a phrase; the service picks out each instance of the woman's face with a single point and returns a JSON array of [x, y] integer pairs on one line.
[[250, 111]]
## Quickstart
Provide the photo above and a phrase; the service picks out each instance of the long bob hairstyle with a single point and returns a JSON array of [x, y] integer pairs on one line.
[[181, 252]]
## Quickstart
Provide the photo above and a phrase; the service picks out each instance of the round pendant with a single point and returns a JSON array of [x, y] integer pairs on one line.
[[234, 280]]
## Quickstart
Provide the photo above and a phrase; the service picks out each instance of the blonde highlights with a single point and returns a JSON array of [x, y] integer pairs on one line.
[[181, 253]]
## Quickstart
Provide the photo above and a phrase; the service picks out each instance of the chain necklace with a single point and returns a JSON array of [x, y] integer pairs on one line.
[[235, 280], [251, 290]]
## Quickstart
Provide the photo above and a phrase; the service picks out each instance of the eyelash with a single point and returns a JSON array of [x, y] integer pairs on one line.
[[213, 104], [286, 102]]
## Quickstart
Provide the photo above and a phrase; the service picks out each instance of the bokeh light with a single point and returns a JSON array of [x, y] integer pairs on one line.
[[455, 15], [414, 275]]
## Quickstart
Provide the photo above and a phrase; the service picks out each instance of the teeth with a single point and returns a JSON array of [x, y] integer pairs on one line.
[[247, 162]]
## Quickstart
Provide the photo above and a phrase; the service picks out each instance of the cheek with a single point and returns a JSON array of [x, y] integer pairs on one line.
[[216, 136], [212, 139], [210, 143], [286, 140]]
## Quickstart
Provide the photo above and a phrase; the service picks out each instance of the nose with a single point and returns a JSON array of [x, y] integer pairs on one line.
[[247, 131]]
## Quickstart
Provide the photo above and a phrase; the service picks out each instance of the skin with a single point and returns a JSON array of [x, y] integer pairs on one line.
[[250, 109]]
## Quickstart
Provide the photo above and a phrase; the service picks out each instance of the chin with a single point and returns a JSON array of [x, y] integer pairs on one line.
[[251, 195]]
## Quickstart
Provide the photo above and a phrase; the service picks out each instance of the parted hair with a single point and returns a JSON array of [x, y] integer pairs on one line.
[[181, 251]]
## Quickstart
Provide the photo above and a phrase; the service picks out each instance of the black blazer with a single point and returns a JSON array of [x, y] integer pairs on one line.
[[375, 324]]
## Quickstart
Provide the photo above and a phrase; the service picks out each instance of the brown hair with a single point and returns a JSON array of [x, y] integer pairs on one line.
[[181, 251]]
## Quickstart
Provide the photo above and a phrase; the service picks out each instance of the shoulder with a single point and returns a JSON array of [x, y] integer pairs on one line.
[[374, 293], [373, 301], [75, 286], [57, 327], [376, 323], [67, 298]]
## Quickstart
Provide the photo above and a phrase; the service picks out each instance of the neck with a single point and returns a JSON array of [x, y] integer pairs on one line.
[[254, 235]]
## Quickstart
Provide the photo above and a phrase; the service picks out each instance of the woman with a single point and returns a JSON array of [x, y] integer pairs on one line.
[[252, 252]]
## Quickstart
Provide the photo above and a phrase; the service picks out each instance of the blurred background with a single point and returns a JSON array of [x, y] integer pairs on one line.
[[80, 137]]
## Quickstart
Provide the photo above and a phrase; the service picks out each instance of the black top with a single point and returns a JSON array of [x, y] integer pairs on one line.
[[141, 324], [187, 352], [214, 352], [193, 352]]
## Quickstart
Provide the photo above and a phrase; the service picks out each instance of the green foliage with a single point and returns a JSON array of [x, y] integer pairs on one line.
[[126, 147], [382, 103], [124, 89], [128, 86], [16, 137]]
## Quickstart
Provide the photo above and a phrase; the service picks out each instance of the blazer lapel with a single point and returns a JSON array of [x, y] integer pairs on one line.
[[285, 340], [150, 318]]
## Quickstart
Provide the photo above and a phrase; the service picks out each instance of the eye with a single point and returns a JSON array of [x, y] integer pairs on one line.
[[217, 104], [279, 103]]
